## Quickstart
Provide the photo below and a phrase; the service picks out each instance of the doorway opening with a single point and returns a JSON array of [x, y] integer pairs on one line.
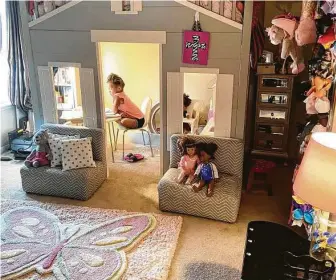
[[208, 111], [198, 103], [138, 64]]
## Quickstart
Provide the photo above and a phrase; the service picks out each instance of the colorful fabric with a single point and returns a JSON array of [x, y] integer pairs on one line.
[[188, 164], [128, 107], [207, 171], [302, 214]]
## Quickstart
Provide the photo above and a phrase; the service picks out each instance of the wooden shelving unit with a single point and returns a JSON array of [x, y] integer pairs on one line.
[[273, 106]]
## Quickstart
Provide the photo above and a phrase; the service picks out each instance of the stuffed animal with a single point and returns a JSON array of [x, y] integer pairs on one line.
[[41, 155], [306, 31], [320, 87], [328, 38], [329, 8], [206, 170], [188, 161], [322, 63], [289, 47]]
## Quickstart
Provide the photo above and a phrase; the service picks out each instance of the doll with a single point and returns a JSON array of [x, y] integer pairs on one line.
[[278, 35], [207, 171], [41, 155], [188, 161]]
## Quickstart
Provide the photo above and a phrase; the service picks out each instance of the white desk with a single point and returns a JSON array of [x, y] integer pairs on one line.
[[110, 119]]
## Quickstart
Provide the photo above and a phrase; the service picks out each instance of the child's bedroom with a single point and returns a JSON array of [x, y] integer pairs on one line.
[[174, 139]]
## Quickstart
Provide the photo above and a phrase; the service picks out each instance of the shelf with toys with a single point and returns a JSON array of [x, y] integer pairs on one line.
[[43, 10]]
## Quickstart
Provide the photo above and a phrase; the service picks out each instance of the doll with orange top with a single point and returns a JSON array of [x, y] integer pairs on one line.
[[189, 160]]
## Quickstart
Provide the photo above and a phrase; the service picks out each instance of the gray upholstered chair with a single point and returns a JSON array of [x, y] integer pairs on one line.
[[224, 204], [78, 183]]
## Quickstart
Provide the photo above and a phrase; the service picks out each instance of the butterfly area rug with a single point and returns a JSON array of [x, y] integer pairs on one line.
[[53, 241]]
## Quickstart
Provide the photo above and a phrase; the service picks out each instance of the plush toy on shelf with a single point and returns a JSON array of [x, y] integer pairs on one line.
[[41, 155], [282, 31], [306, 31]]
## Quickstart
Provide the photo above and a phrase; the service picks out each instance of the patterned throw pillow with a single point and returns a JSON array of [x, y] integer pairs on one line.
[[56, 148], [77, 153]]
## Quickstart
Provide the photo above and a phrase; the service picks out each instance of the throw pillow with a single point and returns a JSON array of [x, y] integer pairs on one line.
[[56, 148], [77, 153]]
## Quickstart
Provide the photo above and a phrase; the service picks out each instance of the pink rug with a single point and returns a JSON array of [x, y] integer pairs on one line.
[[53, 241]]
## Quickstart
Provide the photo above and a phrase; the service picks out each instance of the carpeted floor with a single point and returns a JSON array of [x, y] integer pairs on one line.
[[206, 249]]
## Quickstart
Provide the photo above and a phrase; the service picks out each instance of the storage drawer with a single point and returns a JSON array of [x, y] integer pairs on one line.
[[275, 145], [275, 83], [269, 114], [274, 99], [264, 130]]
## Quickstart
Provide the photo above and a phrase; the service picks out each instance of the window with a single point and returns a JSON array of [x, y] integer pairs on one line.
[[4, 69]]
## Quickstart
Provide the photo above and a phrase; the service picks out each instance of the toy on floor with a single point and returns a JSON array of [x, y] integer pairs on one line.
[[41, 155], [282, 31], [188, 161], [207, 171], [133, 157]]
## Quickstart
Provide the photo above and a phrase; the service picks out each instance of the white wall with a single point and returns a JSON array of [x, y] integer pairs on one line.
[[138, 65], [197, 86], [8, 123]]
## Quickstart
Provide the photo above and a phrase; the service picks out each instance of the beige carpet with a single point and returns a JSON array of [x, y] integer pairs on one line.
[[206, 249]]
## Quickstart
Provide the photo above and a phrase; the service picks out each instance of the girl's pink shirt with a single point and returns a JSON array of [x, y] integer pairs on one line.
[[128, 107]]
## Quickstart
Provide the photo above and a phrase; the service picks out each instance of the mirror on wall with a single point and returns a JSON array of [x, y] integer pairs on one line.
[[198, 103], [68, 96]]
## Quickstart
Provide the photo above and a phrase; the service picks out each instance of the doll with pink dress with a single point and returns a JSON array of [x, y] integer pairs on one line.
[[189, 160]]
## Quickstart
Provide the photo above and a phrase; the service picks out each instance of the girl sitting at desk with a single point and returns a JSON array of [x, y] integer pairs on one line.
[[131, 115]]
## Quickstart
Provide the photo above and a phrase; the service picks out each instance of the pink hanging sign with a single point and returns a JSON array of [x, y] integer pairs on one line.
[[195, 47]]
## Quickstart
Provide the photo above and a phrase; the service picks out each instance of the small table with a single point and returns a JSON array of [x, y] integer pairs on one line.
[[110, 119]]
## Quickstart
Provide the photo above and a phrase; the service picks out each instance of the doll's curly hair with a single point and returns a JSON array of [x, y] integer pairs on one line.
[[183, 143], [209, 148]]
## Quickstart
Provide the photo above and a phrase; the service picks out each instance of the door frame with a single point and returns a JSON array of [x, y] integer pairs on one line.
[[129, 36], [223, 82], [199, 70]]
